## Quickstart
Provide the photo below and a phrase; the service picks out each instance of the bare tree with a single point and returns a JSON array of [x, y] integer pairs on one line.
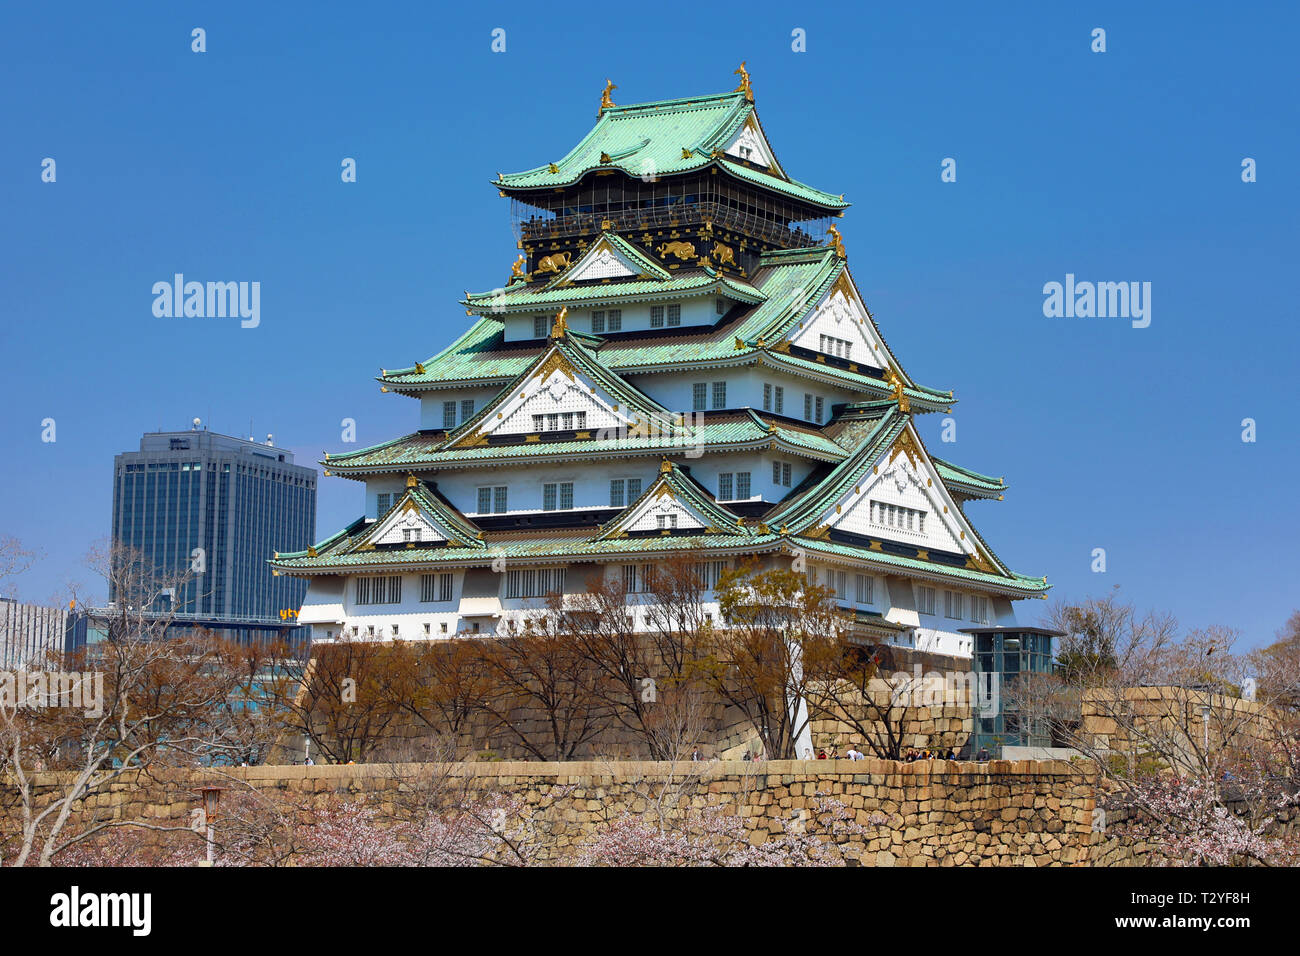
[[142, 698], [773, 619]]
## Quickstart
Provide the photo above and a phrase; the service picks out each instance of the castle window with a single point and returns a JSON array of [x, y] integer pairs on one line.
[[557, 496], [492, 499], [952, 604], [781, 473], [865, 589], [778, 404], [837, 347], [598, 322], [807, 406], [925, 599], [467, 409], [656, 316], [767, 396], [449, 415], [539, 326], [674, 315], [733, 485], [699, 396], [896, 516], [382, 590], [533, 582], [615, 320], [719, 394], [979, 609], [636, 578], [383, 503], [435, 588], [664, 522], [821, 409], [623, 491]]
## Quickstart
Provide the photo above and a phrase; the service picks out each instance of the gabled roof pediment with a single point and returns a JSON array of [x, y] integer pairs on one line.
[[891, 490], [611, 257], [419, 518], [566, 389], [673, 502]]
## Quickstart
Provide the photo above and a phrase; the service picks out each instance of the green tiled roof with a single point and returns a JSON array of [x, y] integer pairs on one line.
[[667, 137], [1017, 582], [541, 549], [522, 298], [969, 482], [425, 450], [482, 356]]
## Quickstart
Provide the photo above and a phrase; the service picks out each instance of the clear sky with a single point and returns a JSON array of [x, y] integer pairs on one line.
[[1117, 166]]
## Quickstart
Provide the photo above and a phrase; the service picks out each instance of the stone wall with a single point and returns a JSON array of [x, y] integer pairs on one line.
[[935, 813]]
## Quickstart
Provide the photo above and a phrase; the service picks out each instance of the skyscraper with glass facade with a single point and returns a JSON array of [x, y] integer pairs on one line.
[[220, 507]]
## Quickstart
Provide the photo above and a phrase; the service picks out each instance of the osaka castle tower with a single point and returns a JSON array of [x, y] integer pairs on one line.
[[679, 363]]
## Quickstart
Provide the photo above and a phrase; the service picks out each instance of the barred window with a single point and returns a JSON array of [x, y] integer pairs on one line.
[[492, 499], [781, 473], [742, 484], [435, 588], [623, 491], [925, 599], [615, 320], [709, 572], [865, 589], [656, 316], [448, 415], [674, 315], [807, 406], [719, 394], [821, 409], [979, 609], [598, 322], [466, 409], [557, 496], [539, 326], [896, 516], [952, 605], [382, 590], [833, 346], [636, 577], [767, 396], [382, 503], [665, 522], [699, 396], [779, 404], [725, 485]]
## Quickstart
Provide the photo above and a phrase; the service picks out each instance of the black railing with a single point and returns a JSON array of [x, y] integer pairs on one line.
[[660, 217]]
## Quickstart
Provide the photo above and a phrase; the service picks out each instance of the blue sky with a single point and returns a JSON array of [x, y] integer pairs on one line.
[[1115, 166]]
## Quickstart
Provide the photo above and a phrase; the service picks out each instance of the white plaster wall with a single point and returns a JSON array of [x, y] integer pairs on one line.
[[921, 490], [696, 311], [431, 404], [843, 317]]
